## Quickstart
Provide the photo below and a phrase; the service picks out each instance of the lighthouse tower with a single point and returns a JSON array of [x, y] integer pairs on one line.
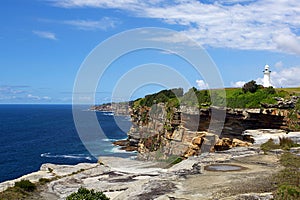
[[267, 73]]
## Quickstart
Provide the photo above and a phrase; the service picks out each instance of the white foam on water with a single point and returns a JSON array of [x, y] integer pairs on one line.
[[70, 156]]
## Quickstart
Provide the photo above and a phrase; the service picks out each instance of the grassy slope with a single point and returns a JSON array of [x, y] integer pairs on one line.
[[290, 90]]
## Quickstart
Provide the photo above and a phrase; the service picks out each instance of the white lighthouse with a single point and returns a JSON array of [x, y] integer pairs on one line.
[[267, 73]]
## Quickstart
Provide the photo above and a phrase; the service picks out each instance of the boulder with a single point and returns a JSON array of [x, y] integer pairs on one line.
[[227, 143], [223, 144], [240, 143], [197, 140]]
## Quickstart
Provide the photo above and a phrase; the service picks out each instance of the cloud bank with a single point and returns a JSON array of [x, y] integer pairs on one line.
[[240, 24]]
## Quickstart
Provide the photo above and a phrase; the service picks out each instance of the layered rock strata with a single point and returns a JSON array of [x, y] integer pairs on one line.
[[160, 132]]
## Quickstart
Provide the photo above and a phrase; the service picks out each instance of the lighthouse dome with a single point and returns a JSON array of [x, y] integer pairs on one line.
[[267, 67]]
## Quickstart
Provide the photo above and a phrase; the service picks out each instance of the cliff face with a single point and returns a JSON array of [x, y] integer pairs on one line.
[[160, 132]]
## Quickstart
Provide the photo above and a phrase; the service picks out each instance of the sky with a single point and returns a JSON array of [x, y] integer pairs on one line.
[[45, 42]]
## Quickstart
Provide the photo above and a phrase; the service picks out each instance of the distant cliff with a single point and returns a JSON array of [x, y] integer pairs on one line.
[[116, 108]]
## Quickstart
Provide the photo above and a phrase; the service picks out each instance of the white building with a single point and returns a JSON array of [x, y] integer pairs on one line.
[[267, 73]]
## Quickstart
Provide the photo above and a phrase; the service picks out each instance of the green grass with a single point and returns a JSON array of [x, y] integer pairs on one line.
[[290, 90], [288, 179]]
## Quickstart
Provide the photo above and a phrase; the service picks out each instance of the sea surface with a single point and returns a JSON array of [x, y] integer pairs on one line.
[[31, 135]]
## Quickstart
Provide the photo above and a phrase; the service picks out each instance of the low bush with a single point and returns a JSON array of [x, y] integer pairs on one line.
[[44, 180], [26, 185], [85, 194], [287, 143], [284, 143], [269, 145]]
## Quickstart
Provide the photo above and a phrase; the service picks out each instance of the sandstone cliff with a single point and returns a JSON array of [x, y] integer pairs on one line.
[[161, 132]]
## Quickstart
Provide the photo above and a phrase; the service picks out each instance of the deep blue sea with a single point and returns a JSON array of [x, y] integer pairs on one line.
[[31, 135]]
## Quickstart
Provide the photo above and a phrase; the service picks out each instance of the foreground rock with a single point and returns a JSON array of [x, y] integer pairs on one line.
[[122, 179], [260, 136]]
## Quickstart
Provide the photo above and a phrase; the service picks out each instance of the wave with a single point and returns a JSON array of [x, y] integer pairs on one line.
[[113, 139], [109, 140], [107, 113], [70, 156], [118, 150]]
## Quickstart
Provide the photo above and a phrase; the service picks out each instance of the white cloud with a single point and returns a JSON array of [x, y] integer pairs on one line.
[[239, 24], [279, 64], [288, 42], [238, 84], [202, 85], [45, 34], [103, 24], [35, 97], [288, 77]]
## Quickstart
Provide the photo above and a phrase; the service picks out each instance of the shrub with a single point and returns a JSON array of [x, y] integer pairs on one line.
[[269, 145], [270, 90], [85, 194], [25, 185], [287, 143], [44, 180], [251, 86], [284, 143]]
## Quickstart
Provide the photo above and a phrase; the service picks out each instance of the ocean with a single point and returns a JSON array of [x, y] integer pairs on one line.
[[31, 135]]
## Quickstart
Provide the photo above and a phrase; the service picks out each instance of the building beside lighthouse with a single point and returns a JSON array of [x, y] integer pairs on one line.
[[267, 74]]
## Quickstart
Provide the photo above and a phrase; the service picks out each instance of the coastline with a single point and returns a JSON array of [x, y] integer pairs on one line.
[[188, 179], [192, 178]]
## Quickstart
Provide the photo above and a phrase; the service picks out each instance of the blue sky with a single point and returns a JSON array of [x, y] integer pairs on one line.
[[44, 42]]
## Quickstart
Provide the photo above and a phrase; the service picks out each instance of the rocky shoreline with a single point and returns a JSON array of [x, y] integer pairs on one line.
[[121, 178]]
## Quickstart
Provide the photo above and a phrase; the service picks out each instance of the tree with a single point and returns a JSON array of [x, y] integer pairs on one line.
[[251, 86]]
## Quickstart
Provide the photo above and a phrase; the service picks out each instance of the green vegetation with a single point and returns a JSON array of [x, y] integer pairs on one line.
[[22, 190], [26, 185], [293, 116], [251, 86], [85, 194], [292, 91], [269, 145], [43, 181], [159, 97], [196, 97], [284, 143], [174, 160], [288, 179], [251, 95]]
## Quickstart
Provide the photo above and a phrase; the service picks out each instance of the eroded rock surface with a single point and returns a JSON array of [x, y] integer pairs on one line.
[[124, 179]]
